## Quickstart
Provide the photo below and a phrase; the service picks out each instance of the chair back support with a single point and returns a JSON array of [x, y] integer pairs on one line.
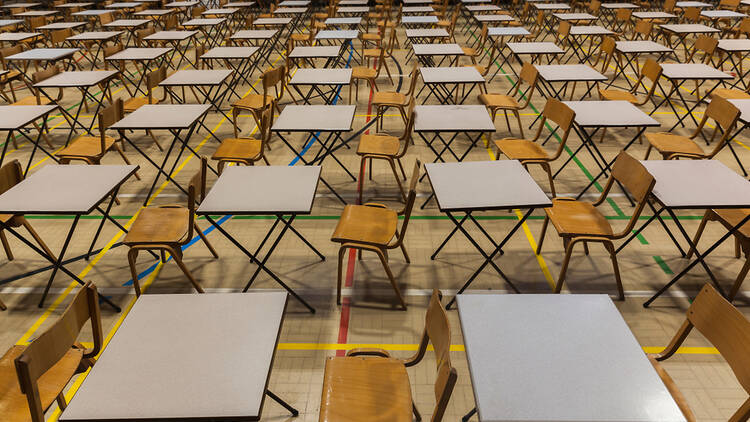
[[59, 36], [42, 75], [47, 349], [11, 174], [729, 4], [9, 51], [153, 79], [692, 15], [107, 117], [273, 78], [560, 114], [595, 6], [411, 196], [634, 177], [606, 52], [651, 70], [413, 75], [530, 75], [669, 5], [643, 29], [744, 27], [198, 184], [106, 18], [726, 115], [623, 15], [705, 45], [406, 136]]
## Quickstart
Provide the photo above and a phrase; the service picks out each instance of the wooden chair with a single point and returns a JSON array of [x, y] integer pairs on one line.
[[37, 98], [369, 385], [605, 54], [33, 377], [530, 151], [729, 218], [374, 227], [672, 146], [727, 330], [383, 100], [579, 221], [651, 70], [388, 148], [153, 79], [13, 75], [377, 53], [246, 150], [368, 74], [91, 149], [273, 80], [11, 174], [505, 103], [167, 228], [643, 30], [473, 53], [141, 34]]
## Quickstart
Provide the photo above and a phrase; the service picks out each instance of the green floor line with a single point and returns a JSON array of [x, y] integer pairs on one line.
[[663, 265]]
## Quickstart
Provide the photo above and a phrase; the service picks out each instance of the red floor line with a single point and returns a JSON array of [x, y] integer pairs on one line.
[[349, 281]]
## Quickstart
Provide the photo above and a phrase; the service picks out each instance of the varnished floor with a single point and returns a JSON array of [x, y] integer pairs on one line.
[[370, 315]]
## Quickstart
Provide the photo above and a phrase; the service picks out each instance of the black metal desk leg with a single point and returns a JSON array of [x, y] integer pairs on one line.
[[283, 404]]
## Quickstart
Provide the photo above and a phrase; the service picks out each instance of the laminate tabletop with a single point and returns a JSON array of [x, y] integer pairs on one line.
[[438, 49], [484, 185], [204, 22], [590, 30], [493, 17], [692, 71], [91, 12], [18, 36], [453, 118], [568, 73], [344, 21], [61, 25], [427, 33], [64, 189], [290, 11], [418, 20], [77, 78], [199, 77], [73, 5], [505, 31], [688, 28], [164, 358], [317, 51], [254, 34], [230, 53], [240, 4], [641, 47], [312, 76], [306, 118], [575, 16], [36, 13], [698, 184], [352, 9], [15, 117], [95, 36], [535, 47], [654, 15], [547, 357], [418, 9], [183, 4], [353, 2], [733, 45], [294, 3], [744, 107], [337, 34], [223, 11], [610, 114], [123, 5], [127, 23], [551, 6], [140, 53], [10, 22], [163, 116], [722, 14], [171, 35], [698, 4], [44, 54], [272, 21], [483, 8], [451, 74], [619, 6], [262, 190], [154, 12]]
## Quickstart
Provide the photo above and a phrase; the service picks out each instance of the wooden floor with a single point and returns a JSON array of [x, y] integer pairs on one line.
[[370, 314]]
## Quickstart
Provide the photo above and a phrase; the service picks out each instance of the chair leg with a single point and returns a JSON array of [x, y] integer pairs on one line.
[[648, 151], [177, 256], [738, 281], [541, 236], [2, 306], [611, 249], [124, 158], [362, 170], [203, 238], [547, 168], [566, 262], [414, 409], [401, 167], [6, 245], [384, 261], [153, 137], [398, 179], [36, 237], [132, 256], [520, 125], [61, 401], [699, 232], [342, 252]]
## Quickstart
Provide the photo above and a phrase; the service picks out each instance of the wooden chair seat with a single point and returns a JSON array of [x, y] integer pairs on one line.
[[468, 51], [577, 218], [385, 98], [238, 149], [668, 143], [132, 104], [618, 95], [13, 404], [366, 224], [730, 94], [253, 101], [302, 37], [443, 24], [369, 36], [521, 149], [86, 146], [372, 389], [378, 145], [498, 101], [11, 75], [159, 226], [32, 100], [361, 72]]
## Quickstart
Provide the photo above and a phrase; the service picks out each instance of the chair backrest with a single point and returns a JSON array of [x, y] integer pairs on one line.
[[623, 15], [9, 51], [153, 79], [529, 75], [634, 177], [170, 22], [196, 193], [274, 78], [705, 45], [725, 114], [110, 50], [437, 330], [411, 196], [141, 34], [58, 37], [563, 30], [413, 75], [42, 75], [744, 27], [692, 14], [651, 70], [643, 29], [266, 123], [559, 113], [606, 52], [595, 6], [11, 174], [406, 136], [669, 5], [37, 21], [109, 116], [47, 349], [106, 18], [729, 4]]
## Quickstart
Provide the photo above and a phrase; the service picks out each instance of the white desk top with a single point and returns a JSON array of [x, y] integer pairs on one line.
[[200, 77], [78, 78], [44, 54], [254, 34], [688, 28], [493, 17], [356, 20], [127, 23], [483, 8], [619, 6], [95, 36], [306, 118], [698, 184], [427, 33], [61, 25], [692, 71], [171, 35], [610, 114], [418, 19], [551, 6], [337, 34], [139, 53], [739, 44], [9, 22], [569, 72], [722, 14], [319, 51], [450, 74], [18, 116], [18, 36], [230, 52], [262, 190], [163, 116], [589, 30], [64, 189], [185, 357], [698, 4], [272, 21], [641, 46], [534, 48], [654, 15], [545, 357], [744, 107], [575, 16], [453, 118], [484, 185], [312, 76], [204, 22], [447, 49], [504, 31]]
